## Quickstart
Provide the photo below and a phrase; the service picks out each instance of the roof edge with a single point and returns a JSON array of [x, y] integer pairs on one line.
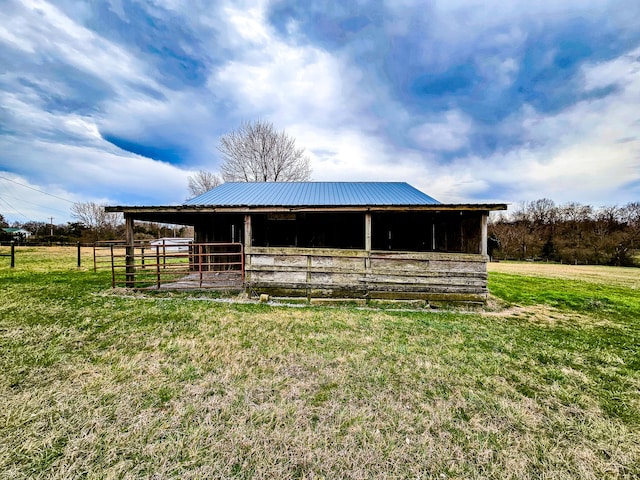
[[271, 208]]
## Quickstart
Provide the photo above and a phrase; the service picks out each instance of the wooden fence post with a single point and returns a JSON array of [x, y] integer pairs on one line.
[[130, 254], [130, 270], [113, 268]]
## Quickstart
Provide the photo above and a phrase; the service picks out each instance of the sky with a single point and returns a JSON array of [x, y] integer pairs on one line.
[[471, 101]]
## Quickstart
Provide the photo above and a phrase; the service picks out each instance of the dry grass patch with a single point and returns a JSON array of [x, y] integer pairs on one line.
[[627, 277]]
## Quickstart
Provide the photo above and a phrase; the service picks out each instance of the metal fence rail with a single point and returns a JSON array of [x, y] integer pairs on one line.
[[196, 265], [11, 254]]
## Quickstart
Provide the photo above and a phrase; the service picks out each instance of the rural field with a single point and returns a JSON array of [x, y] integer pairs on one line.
[[543, 382]]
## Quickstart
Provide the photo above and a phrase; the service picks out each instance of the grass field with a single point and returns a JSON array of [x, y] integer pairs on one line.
[[101, 383]]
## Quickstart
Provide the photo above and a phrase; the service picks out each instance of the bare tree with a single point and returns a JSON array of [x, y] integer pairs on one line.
[[256, 152], [93, 216], [202, 182]]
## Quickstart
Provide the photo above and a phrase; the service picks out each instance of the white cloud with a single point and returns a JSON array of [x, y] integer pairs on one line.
[[588, 153], [449, 134], [45, 32], [286, 82], [96, 173]]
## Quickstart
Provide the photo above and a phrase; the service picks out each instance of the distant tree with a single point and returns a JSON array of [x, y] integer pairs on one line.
[[37, 229], [256, 152], [93, 216], [202, 182], [630, 214], [73, 230], [4, 236]]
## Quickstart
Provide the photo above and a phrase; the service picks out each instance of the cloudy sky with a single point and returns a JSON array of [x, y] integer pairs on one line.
[[469, 100]]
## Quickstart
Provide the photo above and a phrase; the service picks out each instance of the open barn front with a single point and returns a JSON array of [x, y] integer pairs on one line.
[[459, 232], [430, 255], [337, 240]]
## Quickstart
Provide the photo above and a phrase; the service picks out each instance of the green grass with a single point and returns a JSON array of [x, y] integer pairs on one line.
[[99, 383]]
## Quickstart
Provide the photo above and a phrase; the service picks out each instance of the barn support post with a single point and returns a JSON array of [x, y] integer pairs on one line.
[[367, 239], [483, 236], [130, 252], [247, 248]]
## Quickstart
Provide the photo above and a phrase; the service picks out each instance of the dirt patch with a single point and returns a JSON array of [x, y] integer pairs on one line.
[[535, 313]]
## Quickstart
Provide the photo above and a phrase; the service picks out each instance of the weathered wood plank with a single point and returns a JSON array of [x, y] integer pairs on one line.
[[318, 252], [371, 273], [371, 288], [326, 273], [376, 254], [440, 297], [276, 291], [433, 256]]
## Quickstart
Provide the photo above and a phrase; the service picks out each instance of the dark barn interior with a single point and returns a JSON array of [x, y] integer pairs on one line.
[[392, 231]]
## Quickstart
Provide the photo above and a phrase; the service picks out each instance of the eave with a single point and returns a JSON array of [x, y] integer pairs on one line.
[[199, 209]]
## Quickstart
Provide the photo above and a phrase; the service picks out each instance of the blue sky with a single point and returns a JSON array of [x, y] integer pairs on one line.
[[470, 101]]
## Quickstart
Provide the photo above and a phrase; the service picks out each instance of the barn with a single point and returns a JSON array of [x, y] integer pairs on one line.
[[356, 240]]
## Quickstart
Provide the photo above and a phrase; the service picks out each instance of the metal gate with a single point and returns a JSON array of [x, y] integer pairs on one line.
[[173, 267]]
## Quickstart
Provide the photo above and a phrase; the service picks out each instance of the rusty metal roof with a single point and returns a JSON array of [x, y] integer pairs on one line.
[[298, 194]]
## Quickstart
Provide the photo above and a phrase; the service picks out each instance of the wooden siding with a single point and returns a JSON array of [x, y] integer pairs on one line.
[[321, 273]]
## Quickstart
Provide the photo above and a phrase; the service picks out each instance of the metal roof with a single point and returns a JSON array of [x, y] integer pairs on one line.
[[297, 194]]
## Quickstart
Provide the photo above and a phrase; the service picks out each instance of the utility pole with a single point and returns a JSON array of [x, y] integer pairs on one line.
[[51, 218]]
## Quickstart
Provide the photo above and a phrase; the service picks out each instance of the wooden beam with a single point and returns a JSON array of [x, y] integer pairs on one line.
[[367, 239], [367, 231], [248, 243], [195, 209], [130, 274], [129, 223], [247, 234], [483, 236]]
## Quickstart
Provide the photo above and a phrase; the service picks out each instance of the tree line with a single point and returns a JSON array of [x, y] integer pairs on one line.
[[567, 233]]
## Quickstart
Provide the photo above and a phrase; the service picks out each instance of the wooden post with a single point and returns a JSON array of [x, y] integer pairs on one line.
[[113, 268], [200, 262], [483, 237], [247, 247], [13, 254], [433, 235], [242, 262], [158, 266], [79, 261], [367, 239], [130, 254], [367, 232]]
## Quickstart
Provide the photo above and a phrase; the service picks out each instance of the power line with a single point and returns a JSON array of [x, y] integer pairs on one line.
[[39, 205], [35, 189], [15, 209]]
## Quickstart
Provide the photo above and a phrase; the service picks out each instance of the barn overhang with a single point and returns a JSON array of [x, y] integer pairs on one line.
[[191, 214], [439, 227]]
